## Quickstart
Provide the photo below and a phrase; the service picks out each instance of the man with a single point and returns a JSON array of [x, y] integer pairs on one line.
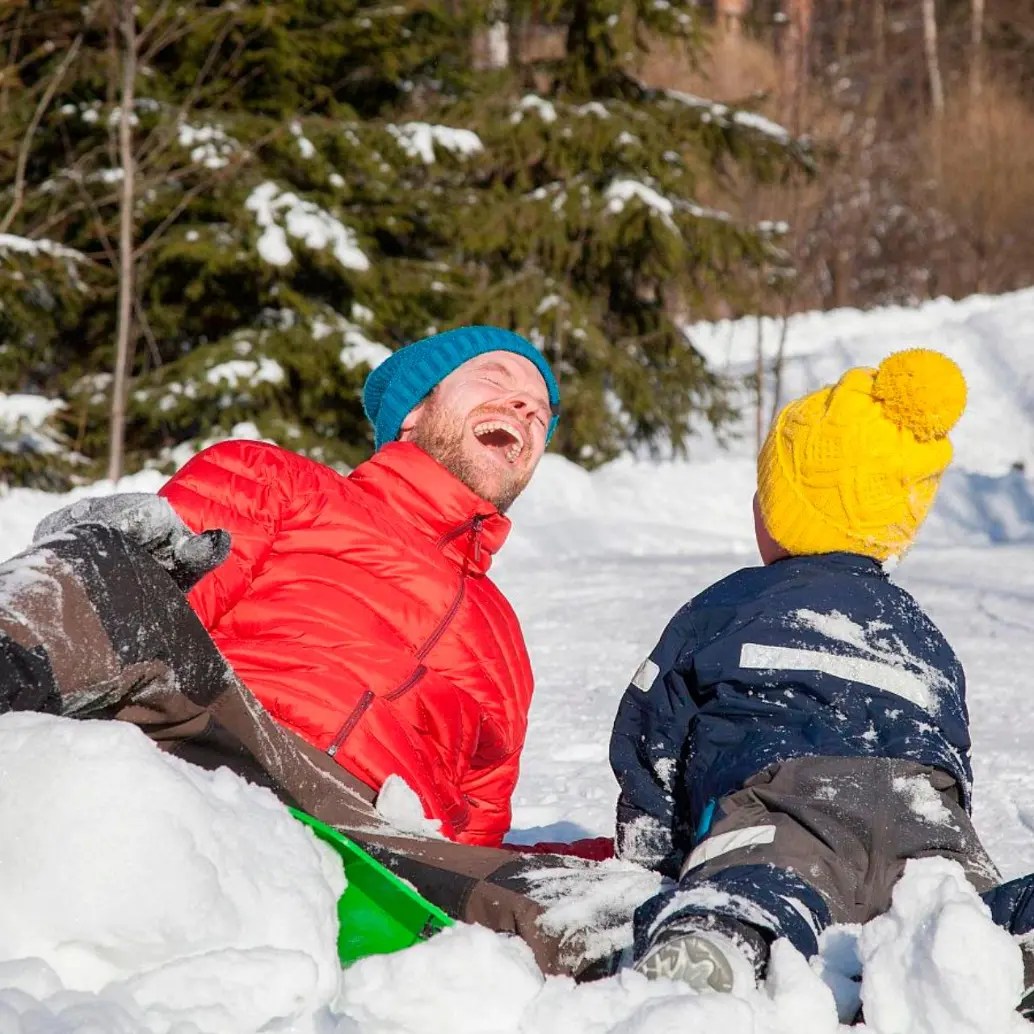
[[358, 610], [93, 627]]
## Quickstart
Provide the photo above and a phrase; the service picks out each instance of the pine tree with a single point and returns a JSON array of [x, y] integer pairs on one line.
[[320, 182], [581, 225]]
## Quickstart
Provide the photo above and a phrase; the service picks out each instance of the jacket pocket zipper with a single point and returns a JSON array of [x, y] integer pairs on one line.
[[350, 722], [474, 526]]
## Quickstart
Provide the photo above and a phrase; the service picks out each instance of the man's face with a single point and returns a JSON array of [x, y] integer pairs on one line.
[[486, 423]]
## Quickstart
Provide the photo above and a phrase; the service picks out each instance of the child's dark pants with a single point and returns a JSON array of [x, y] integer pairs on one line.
[[823, 840]]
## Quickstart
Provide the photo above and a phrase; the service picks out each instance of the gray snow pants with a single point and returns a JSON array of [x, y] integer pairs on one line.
[[817, 841]]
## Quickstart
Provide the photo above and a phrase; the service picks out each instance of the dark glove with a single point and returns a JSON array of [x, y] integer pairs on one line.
[[150, 522]]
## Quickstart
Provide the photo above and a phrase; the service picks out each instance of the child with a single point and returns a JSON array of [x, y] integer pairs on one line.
[[800, 730]]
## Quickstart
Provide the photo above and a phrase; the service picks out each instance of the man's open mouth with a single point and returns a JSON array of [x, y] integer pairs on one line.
[[502, 436]]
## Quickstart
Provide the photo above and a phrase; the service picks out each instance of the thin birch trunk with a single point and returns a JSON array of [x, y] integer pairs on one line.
[[759, 371], [730, 14], [126, 286], [933, 61], [976, 40], [795, 62]]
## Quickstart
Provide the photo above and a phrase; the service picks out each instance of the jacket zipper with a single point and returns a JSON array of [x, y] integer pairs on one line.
[[473, 526], [350, 722]]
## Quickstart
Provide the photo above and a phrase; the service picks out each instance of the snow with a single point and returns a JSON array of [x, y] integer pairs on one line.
[[923, 800], [620, 192], [753, 120], [986, 336], [209, 145], [305, 221], [26, 246], [532, 102], [177, 897], [595, 567], [464, 981], [934, 962], [418, 140], [712, 111], [360, 349], [399, 805], [249, 371], [306, 148], [32, 410], [23, 421]]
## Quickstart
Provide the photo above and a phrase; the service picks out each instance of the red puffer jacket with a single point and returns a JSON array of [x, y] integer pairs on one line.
[[359, 613]]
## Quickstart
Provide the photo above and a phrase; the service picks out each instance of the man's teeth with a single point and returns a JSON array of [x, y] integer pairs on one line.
[[513, 452]]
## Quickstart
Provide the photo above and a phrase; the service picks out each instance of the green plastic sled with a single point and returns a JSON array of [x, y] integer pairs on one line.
[[378, 912]]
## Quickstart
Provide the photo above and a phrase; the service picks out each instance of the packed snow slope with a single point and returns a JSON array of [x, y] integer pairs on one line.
[[199, 914]]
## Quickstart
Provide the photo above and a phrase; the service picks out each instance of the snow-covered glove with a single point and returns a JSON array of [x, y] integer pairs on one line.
[[151, 523]]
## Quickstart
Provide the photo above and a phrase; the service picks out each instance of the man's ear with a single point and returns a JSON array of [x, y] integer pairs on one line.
[[412, 419]]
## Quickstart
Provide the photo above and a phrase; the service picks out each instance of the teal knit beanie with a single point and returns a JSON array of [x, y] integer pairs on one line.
[[409, 375]]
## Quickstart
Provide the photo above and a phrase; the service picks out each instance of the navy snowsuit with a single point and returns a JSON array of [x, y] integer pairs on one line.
[[799, 731]]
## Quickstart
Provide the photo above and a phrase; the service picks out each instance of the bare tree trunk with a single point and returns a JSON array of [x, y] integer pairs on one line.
[[878, 81], [976, 58], [795, 59], [759, 372], [777, 369], [845, 23], [124, 340], [933, 61], [730, 14]]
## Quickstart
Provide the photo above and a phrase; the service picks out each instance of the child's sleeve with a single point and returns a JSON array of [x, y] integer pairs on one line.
[[647, 753]]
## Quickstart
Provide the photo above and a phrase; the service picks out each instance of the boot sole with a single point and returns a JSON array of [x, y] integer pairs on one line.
[[691, 959]]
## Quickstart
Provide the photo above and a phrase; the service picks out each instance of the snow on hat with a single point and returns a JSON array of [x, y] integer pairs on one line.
[[855, 466], [409, 375]]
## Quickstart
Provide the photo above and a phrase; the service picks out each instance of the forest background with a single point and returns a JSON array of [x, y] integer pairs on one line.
[[217, 215]]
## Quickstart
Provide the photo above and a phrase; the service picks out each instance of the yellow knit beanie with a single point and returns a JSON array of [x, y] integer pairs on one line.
[[855, 467]]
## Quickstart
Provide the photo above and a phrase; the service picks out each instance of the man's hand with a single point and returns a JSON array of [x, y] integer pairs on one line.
[[150, 522]]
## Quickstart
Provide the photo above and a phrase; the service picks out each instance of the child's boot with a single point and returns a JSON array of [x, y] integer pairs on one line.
[[705, 958]]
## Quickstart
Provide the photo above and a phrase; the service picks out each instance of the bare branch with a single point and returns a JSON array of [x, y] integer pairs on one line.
[[166, 137], [12, 59], [145, 326], [152, 25], [156, 235], [112, 90], [178, 29], [26, 146]]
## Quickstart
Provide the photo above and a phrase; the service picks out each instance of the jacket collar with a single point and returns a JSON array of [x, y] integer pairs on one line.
[[464, 526], [844, 561]]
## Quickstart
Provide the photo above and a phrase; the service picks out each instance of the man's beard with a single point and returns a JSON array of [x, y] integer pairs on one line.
[[441, 437]]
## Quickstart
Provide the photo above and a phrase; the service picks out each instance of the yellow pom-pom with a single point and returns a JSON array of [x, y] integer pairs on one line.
[[922, 390]]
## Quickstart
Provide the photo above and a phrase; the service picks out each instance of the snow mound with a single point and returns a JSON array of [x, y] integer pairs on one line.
[[988, 336], [150, 894], [470, 981], [936, 963], [466, 980]]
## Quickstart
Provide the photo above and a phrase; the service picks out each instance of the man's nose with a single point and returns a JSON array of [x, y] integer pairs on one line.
[[527, 406]]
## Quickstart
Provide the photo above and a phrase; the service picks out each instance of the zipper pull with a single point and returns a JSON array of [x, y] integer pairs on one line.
[[475, 533]]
